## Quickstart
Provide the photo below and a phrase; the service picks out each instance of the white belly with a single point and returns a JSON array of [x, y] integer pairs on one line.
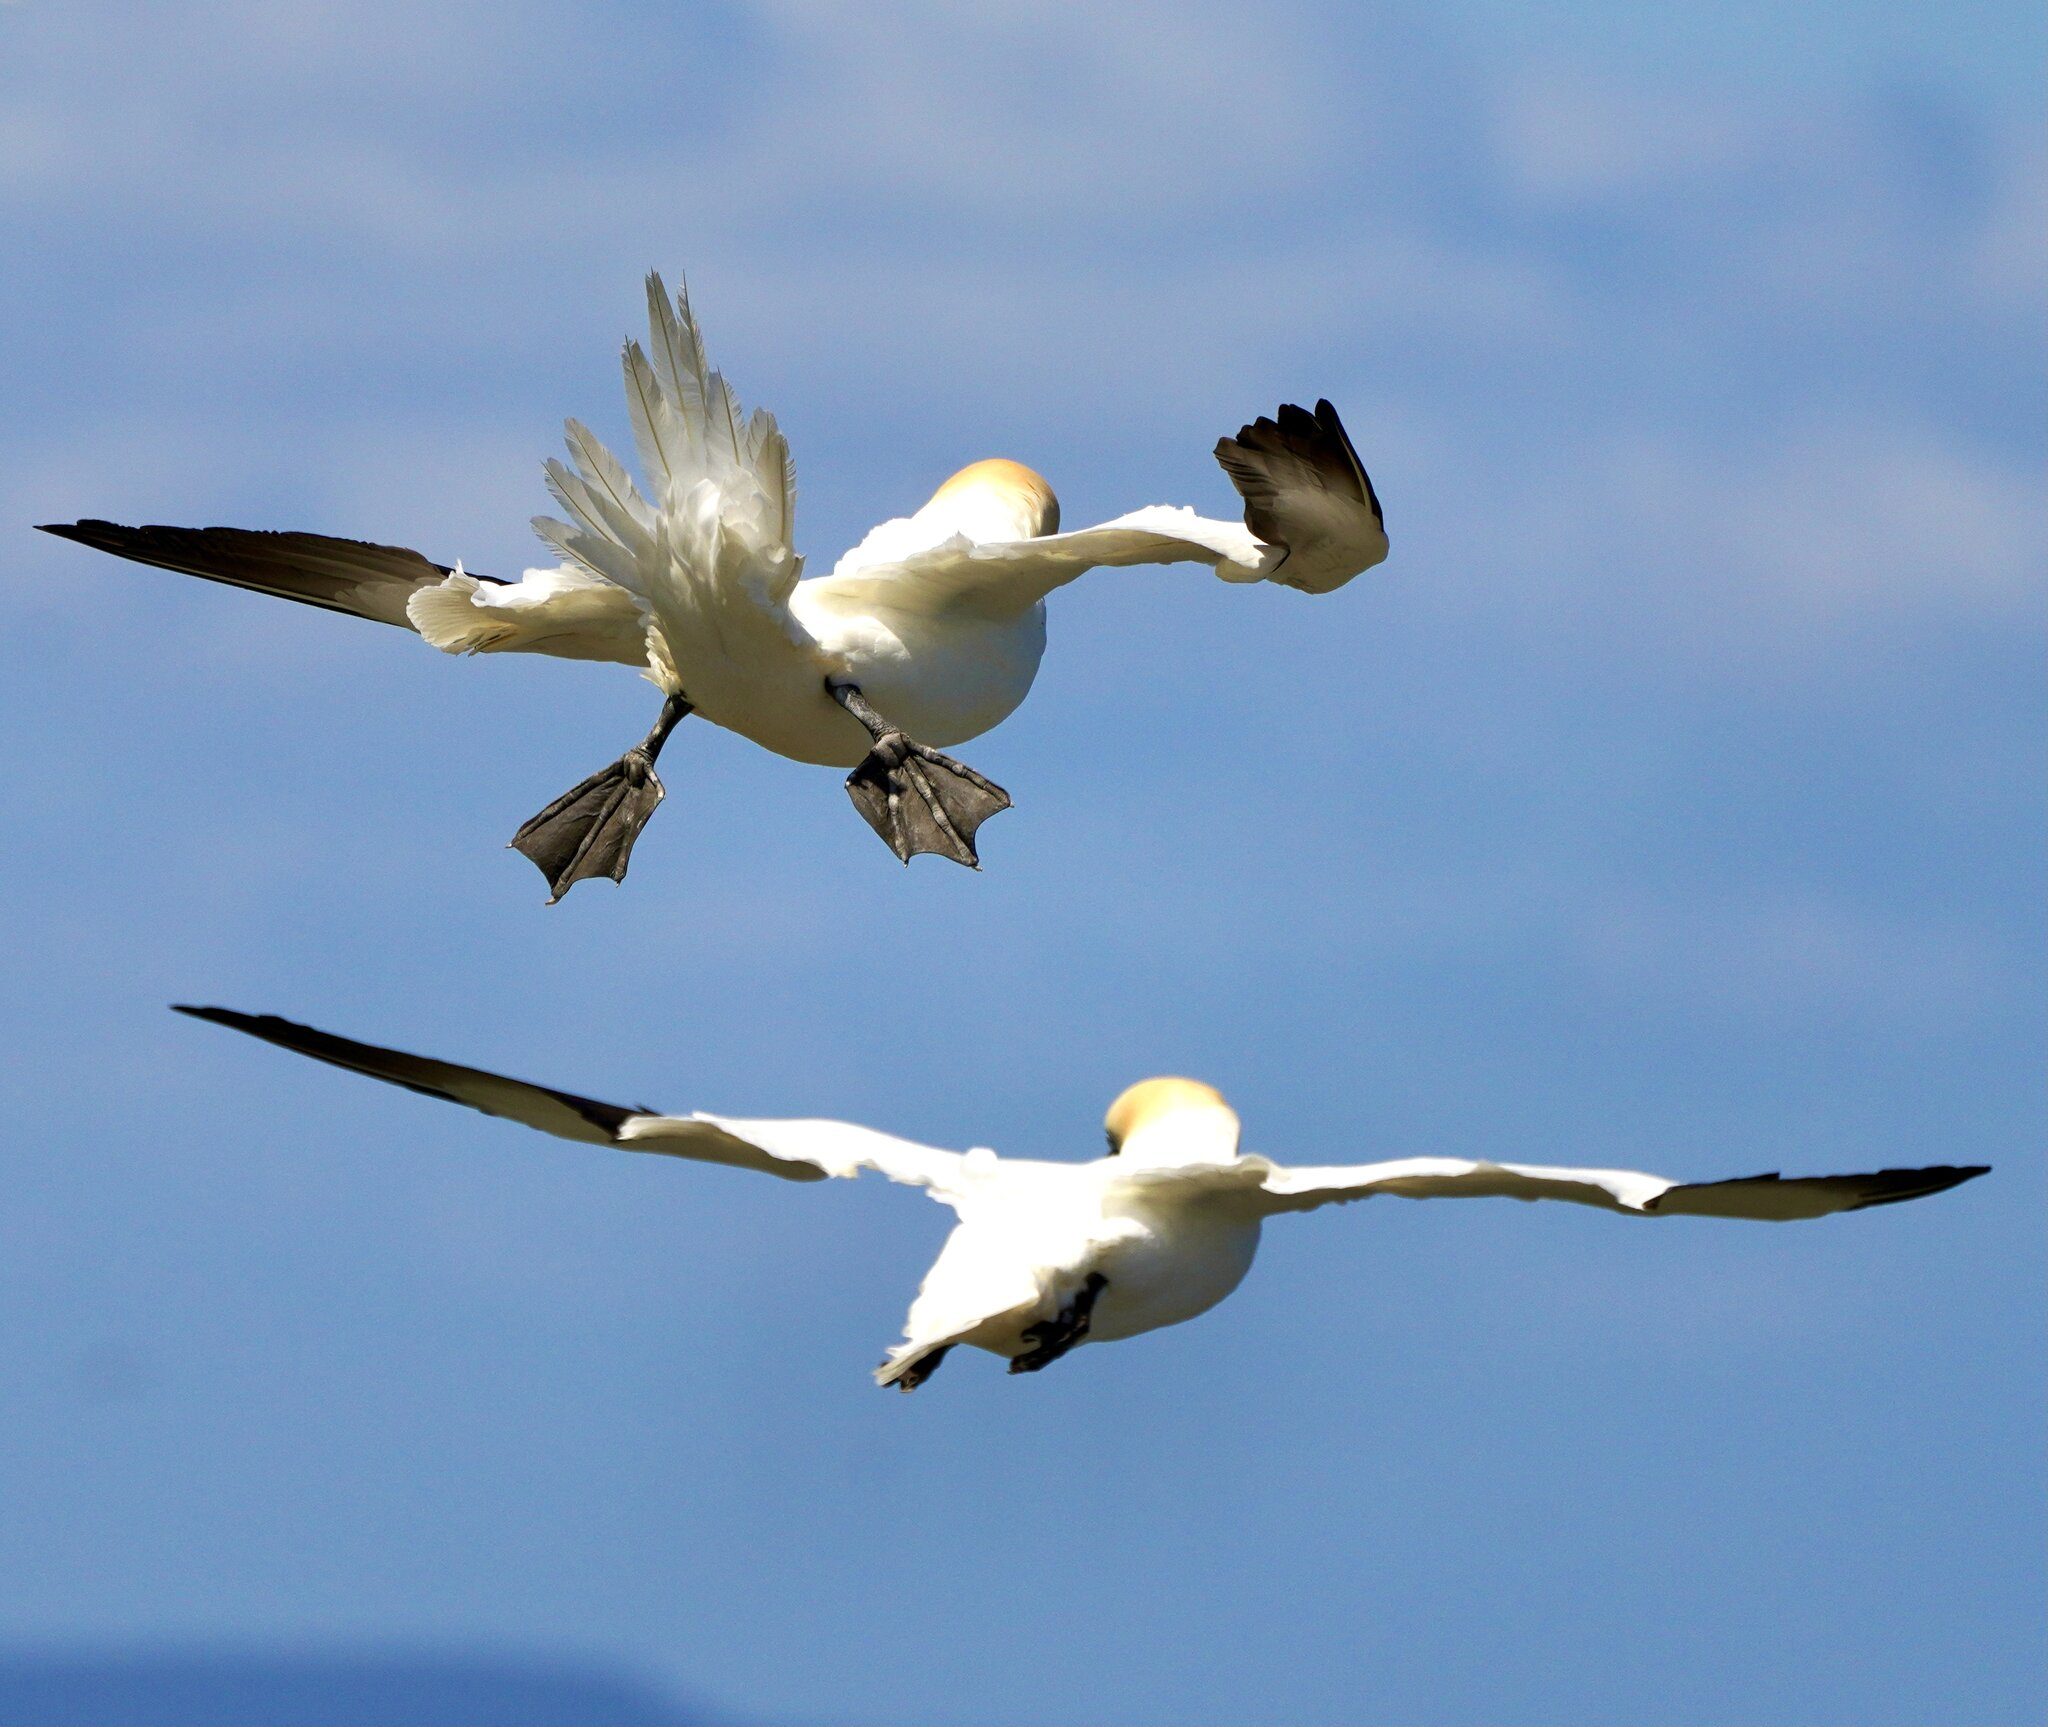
[[1182, 1264], [942, 681]]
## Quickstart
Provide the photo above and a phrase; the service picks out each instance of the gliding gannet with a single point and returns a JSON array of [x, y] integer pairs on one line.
[[928, 632], [1047, 1256]]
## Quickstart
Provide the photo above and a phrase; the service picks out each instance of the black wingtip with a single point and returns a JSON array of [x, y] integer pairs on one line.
[[1326, 417], [270, 1027], [228, 1017], [96, 532], [1919, 1183], [1316, 440]]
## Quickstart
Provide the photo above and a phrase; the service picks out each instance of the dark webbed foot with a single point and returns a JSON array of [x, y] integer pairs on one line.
[[590, 829], [915, 797], [915, 1375], [1052, 1338]]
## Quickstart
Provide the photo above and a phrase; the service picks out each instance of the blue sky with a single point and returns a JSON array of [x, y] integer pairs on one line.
[[1670, 798]]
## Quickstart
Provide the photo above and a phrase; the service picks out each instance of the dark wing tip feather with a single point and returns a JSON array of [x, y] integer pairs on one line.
[[1262, 455], [1890, 1186], [1878, 1187], [360, 577], [1326, 417], [90, 531], [320, 1045], [396, 1067]]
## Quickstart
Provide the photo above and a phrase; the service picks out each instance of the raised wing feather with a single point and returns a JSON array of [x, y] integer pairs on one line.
[[1306, 491], [793, 1150], [1767, 1198]]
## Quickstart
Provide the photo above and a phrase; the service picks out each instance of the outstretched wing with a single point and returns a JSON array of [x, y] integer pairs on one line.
[[1004, 577], [561, 612], [794, 1150], [1312, 521], [353, 576], [1768, 1198]]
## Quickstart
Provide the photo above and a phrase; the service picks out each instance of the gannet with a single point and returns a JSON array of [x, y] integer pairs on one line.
[[1048, 1256], [928, 632]]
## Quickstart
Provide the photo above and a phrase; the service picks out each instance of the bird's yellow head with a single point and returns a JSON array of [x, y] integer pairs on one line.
[[997, 500], [1194, 1118]]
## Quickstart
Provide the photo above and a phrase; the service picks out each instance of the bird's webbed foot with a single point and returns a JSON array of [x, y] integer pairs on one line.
[[917, 798], [1052, 1338], [922, 1369], [589, 830]]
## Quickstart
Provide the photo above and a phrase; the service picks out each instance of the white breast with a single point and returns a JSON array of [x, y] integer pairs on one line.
[[1185, 1260], [943, 679]]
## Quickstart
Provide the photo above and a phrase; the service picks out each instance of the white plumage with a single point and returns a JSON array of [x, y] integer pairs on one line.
[[926, 634], [1046, 1256]]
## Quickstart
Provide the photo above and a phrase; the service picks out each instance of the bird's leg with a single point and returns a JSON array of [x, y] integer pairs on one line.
[[912, 1377], [590, 829], [1052, 1338], [917, 799]]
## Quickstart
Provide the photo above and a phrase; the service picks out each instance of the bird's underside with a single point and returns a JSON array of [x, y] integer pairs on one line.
[[1044, 1341], [651, 580]]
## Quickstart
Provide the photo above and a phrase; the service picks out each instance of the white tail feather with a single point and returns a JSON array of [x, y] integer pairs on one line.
[[590, 508], [659, 429], [714, 476], [593, 552], [678, 349], [604, 473]]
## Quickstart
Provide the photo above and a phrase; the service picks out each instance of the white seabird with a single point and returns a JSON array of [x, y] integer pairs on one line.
[[1047, 1256], [928, 632]]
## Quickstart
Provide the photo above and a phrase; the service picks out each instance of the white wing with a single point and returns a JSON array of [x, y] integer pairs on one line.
[[721, 490], [794, 1150], [1769, 1198], [1312, 521], [1005, 577], [567, 612]]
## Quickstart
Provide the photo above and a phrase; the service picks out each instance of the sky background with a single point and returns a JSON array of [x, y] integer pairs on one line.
[[1670, 798]]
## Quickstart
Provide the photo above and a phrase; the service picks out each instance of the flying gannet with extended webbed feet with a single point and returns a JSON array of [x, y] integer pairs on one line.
[[1047, 1256], [927, 633]]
